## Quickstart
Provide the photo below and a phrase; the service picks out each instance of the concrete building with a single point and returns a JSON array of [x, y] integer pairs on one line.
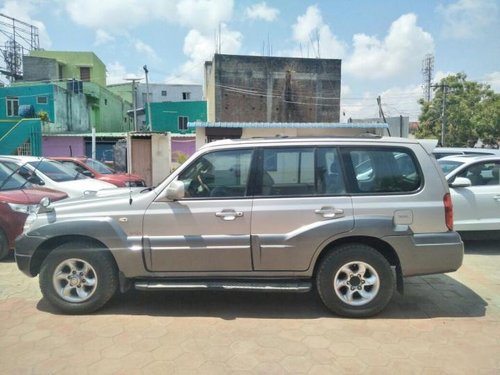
[[272, 89], [158, 93], [52, 66], [261, 89]]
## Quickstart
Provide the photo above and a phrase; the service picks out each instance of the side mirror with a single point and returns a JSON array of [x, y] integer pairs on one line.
[[460, 182], [34, 179], [87, 173], [175, 191]]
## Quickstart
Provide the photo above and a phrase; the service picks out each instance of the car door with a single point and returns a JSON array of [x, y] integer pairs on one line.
[[299, 204], [476, 207], [209, 229]]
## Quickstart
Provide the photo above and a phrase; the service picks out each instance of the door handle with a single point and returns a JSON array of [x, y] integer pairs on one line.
[[497, 198], [228, 215], [329, 212]]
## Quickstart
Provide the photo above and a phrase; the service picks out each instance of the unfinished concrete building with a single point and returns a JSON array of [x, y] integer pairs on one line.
[[272, 89]]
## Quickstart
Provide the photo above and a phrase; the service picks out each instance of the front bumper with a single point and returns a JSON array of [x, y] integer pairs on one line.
[[24, 250]]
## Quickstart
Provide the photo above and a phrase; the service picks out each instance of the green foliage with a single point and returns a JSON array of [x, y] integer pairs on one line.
[[44, 116], [472, 113]]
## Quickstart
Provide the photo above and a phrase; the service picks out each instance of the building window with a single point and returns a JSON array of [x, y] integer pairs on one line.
[[186, 95], [105, 101], [145, 97], [85, 73], [182, 122], [163, 92], [42, 100], [12, 106]]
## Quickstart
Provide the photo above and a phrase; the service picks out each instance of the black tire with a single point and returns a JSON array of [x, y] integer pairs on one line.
[[4, 245], [357, 294], [78, 277]]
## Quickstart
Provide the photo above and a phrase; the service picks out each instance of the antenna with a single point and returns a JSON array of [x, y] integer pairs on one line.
[[21, 39], [427, 72]]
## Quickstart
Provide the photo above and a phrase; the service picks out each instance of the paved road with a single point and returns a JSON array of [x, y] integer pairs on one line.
[[444, 324]]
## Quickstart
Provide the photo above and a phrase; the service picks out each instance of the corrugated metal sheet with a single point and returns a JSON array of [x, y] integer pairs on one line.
[[289, 125]]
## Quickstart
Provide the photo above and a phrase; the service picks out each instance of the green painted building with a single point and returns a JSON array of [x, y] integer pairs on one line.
[[64, 65], [174, 116]]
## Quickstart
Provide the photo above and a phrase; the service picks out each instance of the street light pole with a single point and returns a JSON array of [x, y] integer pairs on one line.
[[146, 71], [134, 98]]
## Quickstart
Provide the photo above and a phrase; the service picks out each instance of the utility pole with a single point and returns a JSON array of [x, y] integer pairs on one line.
[[443, 87], [134, 98], [146, 71], [381, 113], [443, 125], [427, 70]]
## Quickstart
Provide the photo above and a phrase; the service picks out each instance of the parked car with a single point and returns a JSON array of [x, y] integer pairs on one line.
[[100, 171], [441, 152], [256, 215], [475, 192], [53, 175], [17, 199]]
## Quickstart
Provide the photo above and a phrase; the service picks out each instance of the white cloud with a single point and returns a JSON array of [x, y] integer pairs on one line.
[[200, 48], [22, 11], [145, 49], [467, 19], [102, 37], [113, 16], [395, 101], [398, 55], [115, 73], [262, 11], [310, 32], [204, 15], [493, 79]]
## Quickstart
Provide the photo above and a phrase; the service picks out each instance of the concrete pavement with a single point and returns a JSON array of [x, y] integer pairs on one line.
[[444, 324]]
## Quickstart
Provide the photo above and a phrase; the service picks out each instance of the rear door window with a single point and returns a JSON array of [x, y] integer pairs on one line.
[[383, 170]]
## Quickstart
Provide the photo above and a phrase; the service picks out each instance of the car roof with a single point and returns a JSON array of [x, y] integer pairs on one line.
[[467, 150], [470, 158], [281, 140], [21, 158]]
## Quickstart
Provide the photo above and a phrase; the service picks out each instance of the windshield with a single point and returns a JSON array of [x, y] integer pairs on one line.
[[448, 165], [98, 166], [10, 181], [56, 171]]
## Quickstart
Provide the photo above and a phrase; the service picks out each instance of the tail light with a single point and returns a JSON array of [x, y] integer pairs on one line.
[[448, 211]]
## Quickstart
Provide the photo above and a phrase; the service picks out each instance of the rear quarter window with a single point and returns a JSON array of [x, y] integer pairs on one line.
[[383, 170]]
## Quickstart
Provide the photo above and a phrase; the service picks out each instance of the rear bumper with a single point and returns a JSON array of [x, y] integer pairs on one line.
[[428, 253]]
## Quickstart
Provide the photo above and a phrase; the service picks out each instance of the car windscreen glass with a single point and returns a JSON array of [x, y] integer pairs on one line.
[[10, 180], [98, 166], [56, 171], [448, 165]]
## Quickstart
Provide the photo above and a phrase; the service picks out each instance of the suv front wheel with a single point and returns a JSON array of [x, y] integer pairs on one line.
[[78, 277], [355, 280]]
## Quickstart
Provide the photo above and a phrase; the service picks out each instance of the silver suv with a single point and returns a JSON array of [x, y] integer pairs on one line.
[[349, 217]]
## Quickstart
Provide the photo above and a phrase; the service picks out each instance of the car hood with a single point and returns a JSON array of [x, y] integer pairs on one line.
[[76, 188], [92, 196], [31, 196]]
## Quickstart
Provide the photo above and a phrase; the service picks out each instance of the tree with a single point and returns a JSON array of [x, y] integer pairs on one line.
[[472, 113]]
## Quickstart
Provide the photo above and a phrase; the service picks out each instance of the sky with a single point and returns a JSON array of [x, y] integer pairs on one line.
[[381, 43]]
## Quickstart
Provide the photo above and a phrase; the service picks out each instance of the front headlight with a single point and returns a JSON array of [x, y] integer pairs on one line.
[[29, 221], [23, 208]]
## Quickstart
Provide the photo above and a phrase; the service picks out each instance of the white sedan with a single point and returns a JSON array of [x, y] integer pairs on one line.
[[53, 175], [475, 192]]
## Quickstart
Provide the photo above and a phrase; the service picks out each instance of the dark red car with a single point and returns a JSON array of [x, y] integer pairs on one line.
[[95, 169], [17, 199]]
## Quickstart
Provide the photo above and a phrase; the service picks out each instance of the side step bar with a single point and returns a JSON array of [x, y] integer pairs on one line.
[[269, 286]]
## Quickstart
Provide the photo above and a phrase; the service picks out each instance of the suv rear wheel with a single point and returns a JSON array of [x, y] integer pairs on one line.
[[78, 277], [355, 281]]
